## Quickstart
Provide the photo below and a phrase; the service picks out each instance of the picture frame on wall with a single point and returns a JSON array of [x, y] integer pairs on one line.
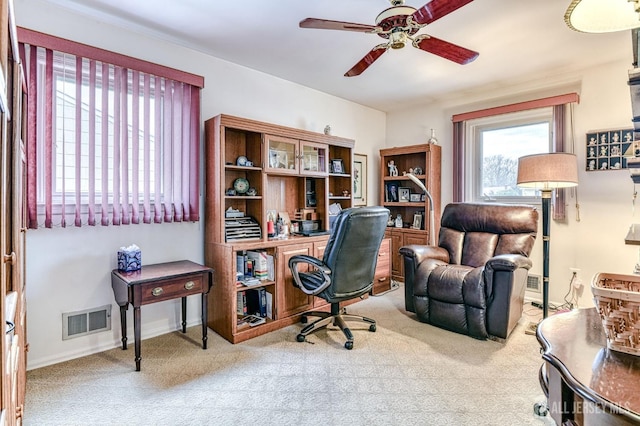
[[359, 180]]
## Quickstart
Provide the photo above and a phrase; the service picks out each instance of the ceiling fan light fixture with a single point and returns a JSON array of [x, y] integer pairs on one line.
[[397, 40], [602, 16]]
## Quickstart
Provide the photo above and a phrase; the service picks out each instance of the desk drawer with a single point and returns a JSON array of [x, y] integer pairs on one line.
[[382, 265], [170, 289]]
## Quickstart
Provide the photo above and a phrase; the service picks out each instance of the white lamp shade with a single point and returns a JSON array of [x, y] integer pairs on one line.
[[602, 16], [548, 171]]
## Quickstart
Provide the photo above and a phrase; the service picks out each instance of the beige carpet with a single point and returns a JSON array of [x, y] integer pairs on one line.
[[407, 373]]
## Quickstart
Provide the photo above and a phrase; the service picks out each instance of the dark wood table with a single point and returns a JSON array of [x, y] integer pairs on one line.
[[585, 382], [157, 283]]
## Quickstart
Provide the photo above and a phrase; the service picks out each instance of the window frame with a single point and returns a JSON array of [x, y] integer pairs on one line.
[[473, 150]]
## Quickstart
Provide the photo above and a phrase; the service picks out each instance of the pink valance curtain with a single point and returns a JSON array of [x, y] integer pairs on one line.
[[108, 143]]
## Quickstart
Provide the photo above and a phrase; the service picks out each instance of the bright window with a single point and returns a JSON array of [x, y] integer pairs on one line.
[[65, 157], [494, 144]]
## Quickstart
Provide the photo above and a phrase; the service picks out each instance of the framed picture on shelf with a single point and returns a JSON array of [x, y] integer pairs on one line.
[[391, 192], [337, 166], [415, 198], [359, 180], [405, 194], [417, 221]]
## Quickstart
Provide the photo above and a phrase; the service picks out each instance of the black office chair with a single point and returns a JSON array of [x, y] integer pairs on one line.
[[346, 270]]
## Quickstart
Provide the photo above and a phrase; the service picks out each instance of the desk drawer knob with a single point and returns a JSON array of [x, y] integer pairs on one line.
[[189, 285], [157, 291]]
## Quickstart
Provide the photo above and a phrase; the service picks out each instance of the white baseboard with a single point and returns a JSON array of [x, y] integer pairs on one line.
[[148, 331]]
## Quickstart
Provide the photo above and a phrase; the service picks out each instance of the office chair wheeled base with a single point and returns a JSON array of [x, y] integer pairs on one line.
[[336, 317]]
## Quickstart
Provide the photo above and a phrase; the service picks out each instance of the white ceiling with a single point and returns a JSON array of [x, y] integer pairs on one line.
[[517, 40]]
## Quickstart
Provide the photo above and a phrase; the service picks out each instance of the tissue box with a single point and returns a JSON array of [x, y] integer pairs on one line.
[[129, 260]]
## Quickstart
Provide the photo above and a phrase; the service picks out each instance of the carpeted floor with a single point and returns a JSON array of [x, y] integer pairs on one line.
[[406, 373]]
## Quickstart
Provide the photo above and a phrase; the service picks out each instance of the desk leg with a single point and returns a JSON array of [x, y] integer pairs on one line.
[[136, 328], [123, 325], [204, 320], [184, 314]]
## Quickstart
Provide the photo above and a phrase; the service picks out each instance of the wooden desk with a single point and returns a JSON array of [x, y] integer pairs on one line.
[[586, 383], [157, 283]]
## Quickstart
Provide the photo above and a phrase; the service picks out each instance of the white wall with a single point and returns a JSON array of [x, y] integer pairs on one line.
[[593, 244], [69, 269]]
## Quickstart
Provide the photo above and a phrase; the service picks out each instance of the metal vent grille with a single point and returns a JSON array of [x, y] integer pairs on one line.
[[533, 283], [89, 321]]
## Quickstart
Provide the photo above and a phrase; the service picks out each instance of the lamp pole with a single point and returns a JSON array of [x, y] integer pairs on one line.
[[546, 202], [432, 236], [546, 172]]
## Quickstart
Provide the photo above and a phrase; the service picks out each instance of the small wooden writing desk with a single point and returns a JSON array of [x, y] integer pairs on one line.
[[586, 383], [156, 283]]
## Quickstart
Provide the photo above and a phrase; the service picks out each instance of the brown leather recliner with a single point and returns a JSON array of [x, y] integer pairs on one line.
[[473, 282]]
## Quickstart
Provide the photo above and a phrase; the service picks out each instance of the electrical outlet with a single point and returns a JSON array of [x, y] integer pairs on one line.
[[575, 278]]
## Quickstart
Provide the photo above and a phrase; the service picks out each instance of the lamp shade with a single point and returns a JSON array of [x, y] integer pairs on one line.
[[602, 16], [548, 171]]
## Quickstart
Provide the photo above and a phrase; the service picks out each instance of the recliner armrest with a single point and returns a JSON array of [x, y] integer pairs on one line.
[[420, 252], [508, 262], [414, 255]]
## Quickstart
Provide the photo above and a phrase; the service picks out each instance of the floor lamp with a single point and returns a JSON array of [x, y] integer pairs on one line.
[[432, 235], [546, 172]]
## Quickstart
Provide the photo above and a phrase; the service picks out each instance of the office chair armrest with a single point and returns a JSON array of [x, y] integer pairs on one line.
[[318, 265]]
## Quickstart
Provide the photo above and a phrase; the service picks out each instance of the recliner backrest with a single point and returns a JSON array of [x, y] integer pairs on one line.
[[473, 233], [352, 250]]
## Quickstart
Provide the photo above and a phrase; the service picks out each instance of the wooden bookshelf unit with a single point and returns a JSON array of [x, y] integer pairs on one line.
[[427, 158], [287, 170]]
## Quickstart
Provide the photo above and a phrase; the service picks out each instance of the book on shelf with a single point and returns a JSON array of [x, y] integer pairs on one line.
[[242, 323], [240, 261], [259, 263], [247, 281], [271, 274], [241, 303], [253, 320], [257, 301], [269, 299], [255, 264]]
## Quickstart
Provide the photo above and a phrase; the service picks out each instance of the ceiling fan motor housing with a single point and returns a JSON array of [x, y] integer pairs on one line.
[[394, 20]]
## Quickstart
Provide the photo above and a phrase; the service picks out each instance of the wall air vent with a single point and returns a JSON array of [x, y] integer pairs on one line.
[[89, 321], [533, 283]]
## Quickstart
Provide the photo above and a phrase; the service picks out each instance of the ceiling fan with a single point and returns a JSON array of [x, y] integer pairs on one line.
[[399, 24]]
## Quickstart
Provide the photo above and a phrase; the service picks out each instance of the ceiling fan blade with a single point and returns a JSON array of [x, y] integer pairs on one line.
[[325, 24], [436, 9], [445, 49], [369, 59]]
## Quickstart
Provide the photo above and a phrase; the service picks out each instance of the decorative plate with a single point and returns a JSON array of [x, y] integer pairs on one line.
[[241, 185]]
